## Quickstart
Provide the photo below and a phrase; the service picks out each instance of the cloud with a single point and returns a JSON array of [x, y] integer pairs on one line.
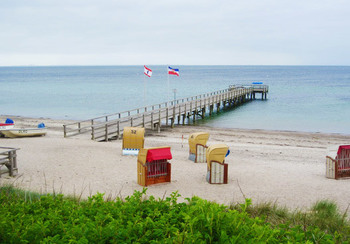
[[182, 32]]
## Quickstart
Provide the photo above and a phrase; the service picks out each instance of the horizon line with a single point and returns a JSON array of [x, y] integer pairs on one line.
[[101, 65]]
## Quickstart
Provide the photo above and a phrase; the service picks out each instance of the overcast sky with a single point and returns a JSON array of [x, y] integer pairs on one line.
[[130, 32]]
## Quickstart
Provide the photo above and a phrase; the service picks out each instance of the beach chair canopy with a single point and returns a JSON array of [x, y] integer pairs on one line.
[[197, 138], [343, 152], [216, 153], [153, 154], [133, 137]]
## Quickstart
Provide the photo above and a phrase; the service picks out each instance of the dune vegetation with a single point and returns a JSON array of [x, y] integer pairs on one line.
[[28, 217]]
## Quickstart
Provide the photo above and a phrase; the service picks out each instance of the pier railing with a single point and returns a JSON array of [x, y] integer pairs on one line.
[[111, 125]]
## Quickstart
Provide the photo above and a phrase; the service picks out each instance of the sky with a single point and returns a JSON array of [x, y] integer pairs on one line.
[[183, 32]]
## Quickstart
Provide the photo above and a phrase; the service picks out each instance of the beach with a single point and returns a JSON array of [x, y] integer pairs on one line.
[[287, 168]]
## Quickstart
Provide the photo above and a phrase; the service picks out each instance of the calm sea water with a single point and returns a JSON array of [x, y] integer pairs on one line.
[[301, 98]]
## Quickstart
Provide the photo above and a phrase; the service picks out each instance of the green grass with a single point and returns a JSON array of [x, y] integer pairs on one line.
[[324, 215]]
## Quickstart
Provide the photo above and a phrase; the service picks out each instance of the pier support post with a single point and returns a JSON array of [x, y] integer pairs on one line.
[[173, 122], [152, 125], [167, 116]]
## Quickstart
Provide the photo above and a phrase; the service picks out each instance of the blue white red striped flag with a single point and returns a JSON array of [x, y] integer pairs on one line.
[[172, 71], [147, 71]]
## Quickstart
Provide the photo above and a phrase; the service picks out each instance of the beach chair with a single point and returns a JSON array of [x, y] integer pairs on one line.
[[133, 140], [197, 144], [217, 169], [338, 163], [153, 166]]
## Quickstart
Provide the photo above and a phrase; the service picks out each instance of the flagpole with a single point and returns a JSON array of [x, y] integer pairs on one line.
[[168, 83], [144, 90]]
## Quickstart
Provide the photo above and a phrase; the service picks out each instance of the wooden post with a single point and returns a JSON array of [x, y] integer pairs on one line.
[[184, 114], [106, 131], [10, 167], [190, 107], [118, 127], [92, 130], [173, 122], [14, 163], [167, 116], [143, 120], [64, 131], [152, 125], [131, 121]]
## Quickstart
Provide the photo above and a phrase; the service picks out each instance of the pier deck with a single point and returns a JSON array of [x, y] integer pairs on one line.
[[181, 111]]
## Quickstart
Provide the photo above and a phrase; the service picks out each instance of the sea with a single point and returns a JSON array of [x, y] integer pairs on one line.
[[300, 98]]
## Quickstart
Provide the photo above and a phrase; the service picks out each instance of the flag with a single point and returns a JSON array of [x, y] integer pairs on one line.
[[172, 71], [147, 71]]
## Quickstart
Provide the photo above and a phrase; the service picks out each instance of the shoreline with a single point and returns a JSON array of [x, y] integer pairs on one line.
[[61, 122], [276, 166]]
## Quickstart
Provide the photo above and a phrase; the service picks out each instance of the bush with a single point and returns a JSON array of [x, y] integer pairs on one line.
[[137, 219]]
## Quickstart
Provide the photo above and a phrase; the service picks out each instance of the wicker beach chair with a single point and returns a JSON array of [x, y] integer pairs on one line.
[[338, 163]]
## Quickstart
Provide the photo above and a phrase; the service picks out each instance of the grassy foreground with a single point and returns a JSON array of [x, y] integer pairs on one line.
[[27, 217]]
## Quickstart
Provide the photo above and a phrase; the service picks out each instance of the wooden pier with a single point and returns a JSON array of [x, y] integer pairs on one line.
[[181, 111]]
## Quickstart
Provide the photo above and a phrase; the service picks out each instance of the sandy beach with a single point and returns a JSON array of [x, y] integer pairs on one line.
[[277, 166]]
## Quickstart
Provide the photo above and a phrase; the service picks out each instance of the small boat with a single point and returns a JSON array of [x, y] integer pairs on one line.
[[25, 132], [9, 124]]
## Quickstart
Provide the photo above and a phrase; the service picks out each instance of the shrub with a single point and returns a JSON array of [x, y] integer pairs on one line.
[[138, 219]]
